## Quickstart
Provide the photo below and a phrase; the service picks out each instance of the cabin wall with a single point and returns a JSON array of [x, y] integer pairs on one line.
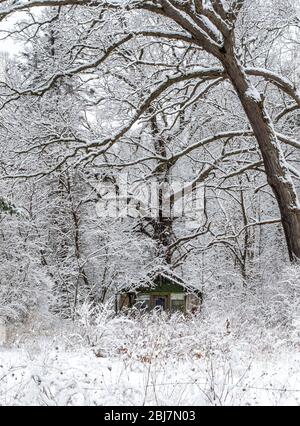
[[125, 301], [181, 302]]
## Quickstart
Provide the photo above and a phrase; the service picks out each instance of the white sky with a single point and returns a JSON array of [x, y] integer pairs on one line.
[[8, 45]]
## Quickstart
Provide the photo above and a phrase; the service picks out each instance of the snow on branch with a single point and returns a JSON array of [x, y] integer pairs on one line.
[[282, 83]]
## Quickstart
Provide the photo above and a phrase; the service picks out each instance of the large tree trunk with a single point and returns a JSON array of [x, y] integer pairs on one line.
[[189, 15], [276, 169]]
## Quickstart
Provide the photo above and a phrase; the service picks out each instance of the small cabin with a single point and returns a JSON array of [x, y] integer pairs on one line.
[[165, 292]]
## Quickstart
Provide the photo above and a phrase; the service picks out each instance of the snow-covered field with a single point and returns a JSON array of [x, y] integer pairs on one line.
[[144, 362], [55, 377]]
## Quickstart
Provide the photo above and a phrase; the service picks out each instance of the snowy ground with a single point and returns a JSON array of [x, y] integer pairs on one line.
[[55, 377], [66, 370]]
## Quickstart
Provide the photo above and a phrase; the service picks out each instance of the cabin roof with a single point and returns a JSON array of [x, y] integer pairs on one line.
[[161, 282]]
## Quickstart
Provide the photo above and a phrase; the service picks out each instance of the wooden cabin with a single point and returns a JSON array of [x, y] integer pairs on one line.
[[165, 292]]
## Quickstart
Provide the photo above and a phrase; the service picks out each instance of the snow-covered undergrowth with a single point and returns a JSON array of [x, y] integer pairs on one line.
[[148, 359], [243, 348]]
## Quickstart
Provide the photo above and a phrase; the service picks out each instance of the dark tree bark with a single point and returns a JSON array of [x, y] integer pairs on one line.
[[276, 170], [221, 44]]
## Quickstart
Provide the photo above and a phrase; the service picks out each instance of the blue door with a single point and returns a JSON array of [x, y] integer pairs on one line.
[[160, 302]]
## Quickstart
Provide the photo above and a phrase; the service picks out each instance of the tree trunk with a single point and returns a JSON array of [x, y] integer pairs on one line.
[[163, 224], [276, 169]]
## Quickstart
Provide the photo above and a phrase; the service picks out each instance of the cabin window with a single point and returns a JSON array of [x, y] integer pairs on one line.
[[143, 301], [177, 302]]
